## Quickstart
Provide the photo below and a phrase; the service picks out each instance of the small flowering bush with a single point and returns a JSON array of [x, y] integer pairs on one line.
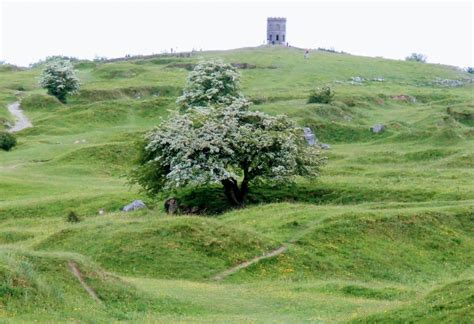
[[59, 78], [224, 142]]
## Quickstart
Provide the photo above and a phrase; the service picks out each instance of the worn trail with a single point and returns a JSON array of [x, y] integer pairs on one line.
[[248, 263], [75, 271], [21, 121]]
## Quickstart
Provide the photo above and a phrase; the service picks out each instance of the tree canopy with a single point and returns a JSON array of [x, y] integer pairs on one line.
[[223, 143], [209, 84]]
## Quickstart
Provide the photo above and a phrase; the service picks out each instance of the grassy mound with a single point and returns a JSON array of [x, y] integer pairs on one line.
[[136, 93], [409, 247], [109, 158], [182, 247], [40, 101], [42, 286], [115, 71], [8, 237], [451, 303]]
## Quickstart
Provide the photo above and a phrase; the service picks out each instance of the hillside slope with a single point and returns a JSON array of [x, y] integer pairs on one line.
[[385, 234]]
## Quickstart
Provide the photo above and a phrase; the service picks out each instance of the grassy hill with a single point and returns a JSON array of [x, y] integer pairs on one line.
[[384, 235]]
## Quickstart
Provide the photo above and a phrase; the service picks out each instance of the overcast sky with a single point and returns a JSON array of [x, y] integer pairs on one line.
[[33, 30]]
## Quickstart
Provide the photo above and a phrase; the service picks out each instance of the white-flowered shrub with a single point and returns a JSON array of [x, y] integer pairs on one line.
[[59, 78]]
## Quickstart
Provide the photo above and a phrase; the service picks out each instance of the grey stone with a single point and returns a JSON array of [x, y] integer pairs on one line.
[[325, 146], [448, 83], [377, 128], [135, 205], [309, 136], [357, 79]]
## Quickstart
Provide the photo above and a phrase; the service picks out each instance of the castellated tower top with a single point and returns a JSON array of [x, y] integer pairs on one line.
[[276, 30]]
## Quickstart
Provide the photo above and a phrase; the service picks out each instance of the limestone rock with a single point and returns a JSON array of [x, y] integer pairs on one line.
[[377, 128], [309, 136], [135, 205]]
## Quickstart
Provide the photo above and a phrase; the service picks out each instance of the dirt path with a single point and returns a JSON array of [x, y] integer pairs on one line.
[[248, 263], [75, 271], [21, 121]]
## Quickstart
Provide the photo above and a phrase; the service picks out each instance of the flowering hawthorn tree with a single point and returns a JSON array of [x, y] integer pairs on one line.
[[211, 83], [59, 78], [224, 143]]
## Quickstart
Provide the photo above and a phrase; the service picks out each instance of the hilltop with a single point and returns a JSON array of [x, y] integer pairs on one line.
[[383, 235]]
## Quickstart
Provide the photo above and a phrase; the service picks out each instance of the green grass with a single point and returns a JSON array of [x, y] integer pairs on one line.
[[384, 235], [176, 242], [449, 304]]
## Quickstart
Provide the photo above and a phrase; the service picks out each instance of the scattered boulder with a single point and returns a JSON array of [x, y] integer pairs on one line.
[[325, 146], [377, 128], [171, 206], [378, 79], [309, 136], [357, 79], [101, 211], [243, 66], [448, 83], [135, 205]]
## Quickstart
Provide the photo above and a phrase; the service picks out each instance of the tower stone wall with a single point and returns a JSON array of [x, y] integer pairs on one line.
[[276, 30]]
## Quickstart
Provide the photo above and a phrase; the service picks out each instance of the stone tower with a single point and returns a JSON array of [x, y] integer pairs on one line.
[[276, 30]]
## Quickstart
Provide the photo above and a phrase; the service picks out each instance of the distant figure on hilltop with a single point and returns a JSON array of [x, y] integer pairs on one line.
[[306, 54]]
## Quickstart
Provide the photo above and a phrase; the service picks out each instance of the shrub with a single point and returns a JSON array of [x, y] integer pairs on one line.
[[416, 57], [7, 141], [59, 78], [72, 217], [321, 95]]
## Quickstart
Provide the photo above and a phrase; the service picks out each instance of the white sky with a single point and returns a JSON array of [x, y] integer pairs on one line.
[[32, 30]]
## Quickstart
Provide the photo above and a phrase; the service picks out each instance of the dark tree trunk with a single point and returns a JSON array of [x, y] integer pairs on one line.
[[234, 194]]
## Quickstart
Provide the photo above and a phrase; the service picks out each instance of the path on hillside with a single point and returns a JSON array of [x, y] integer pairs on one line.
[[75, 271], [248, 263], [267, 255], [21, 121]]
